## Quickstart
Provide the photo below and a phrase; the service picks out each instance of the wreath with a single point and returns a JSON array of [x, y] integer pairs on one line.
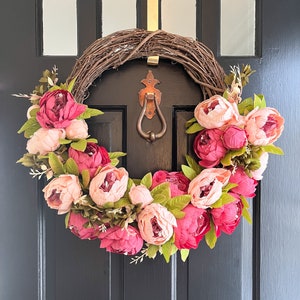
[[169, 210]]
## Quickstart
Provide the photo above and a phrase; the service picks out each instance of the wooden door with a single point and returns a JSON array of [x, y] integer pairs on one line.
[[39, 259]]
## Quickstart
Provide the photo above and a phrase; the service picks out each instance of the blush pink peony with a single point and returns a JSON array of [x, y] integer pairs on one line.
[[156, 224], [257, 174], [264, 126], [121, 240], [78, 129], [57, 109], [192, 228], [45, 140], [216, 112], [206, 188], [234, 137], [178, 182], [61, 192], [208, 146], [109, 185], [139, 194]]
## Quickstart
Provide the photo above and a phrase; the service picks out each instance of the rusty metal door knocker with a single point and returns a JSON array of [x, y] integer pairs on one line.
[[149, 98]]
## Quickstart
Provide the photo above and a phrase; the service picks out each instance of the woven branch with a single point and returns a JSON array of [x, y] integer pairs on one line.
[[114, 50]]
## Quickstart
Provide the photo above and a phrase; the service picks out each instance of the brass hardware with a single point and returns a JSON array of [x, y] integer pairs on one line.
[[150, 98]]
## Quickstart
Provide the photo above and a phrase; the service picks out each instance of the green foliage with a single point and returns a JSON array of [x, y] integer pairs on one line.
[[71, 167], [152, 251], [79, 145], [259, 101], [71, 85], [67, 218], [246, 106], [55, 164], [161, 193], [211, 237], [167, 249], [188, 172], [29, 127], [195, 127], [245, 211], [224, 199], [193, 164], [230, 155], [178, 203], [184, 253], [90, 112], [272, 149], [85, 174], [147, 180]]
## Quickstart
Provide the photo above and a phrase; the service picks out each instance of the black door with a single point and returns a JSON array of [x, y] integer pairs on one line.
[[39, 259]]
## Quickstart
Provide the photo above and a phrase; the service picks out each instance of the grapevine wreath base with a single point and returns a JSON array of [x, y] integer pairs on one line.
[[169, 210]]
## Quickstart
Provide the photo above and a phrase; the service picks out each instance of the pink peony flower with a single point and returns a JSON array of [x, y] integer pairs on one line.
[[61, 192], [178, 182], [206, 188], [156, 223], [93, 157], [208, 146], [257, 174], [216, 112], [109, 185], [45, 140], [234, 138], [77, 226], [57, 109], [264, 126], [78, 129], [121, 240], [140, 195], [192, 228], [246, 185], [227, 217]]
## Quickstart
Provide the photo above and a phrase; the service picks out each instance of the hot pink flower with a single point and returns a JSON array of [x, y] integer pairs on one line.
[[109, 185], [227, 217], [234, 138], [57, 109], [78, 129], [192, 228], [121, 240], [156, 224], [216, 112], [93, 157], [208, 146], [246, 185], [257, 174], [206, 188], [45, 140], [139, 194], [61, 192], [178, 182], [264, 126], [77, 226]]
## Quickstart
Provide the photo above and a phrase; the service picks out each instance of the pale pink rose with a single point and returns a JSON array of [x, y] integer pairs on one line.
[[57, 109], [227, 217], [264, 126], [208, 146], [139, 194], [109, 185], [156, 224], [246, 185], [45, 140], [61, 192], [121, 240], [34, 106], [206, 188], [192, 228], [78, 129], [77, 224], [234, 138], [216, 112], [257, 174], [178, 182]]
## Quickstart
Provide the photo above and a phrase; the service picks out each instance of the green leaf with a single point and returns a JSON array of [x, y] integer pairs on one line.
[[152, 251], [245, 106], [161, 193], [184, 253], [71, 85], [79, 145], [229, 186], [259, 101], [245, 211], [114, 162], [178, 202], [193, 164], [33, 112], [190, 122], [188, 172], [55, 164], [67, 218], [194, 128], [92, 140], [29, 127], [224, 199], [113, 155], [90, 112], [178, 214], [71, 167], [147, 180], [64, 141], [85, 178], [167, 249], [227, 159], [273, 149], [122, 202], [211, 237]]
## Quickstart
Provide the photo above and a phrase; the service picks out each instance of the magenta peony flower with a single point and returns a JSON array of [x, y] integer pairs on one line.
[[178, 182], [246, 185], [208, 146], [109, 185], [57, 109], [264, 126], [139, 194], [234, 138], [227, 217], [78, 129], [93, 157], [61, 192], [121, 240], [77, 226], [192, 228], [156, 224]]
